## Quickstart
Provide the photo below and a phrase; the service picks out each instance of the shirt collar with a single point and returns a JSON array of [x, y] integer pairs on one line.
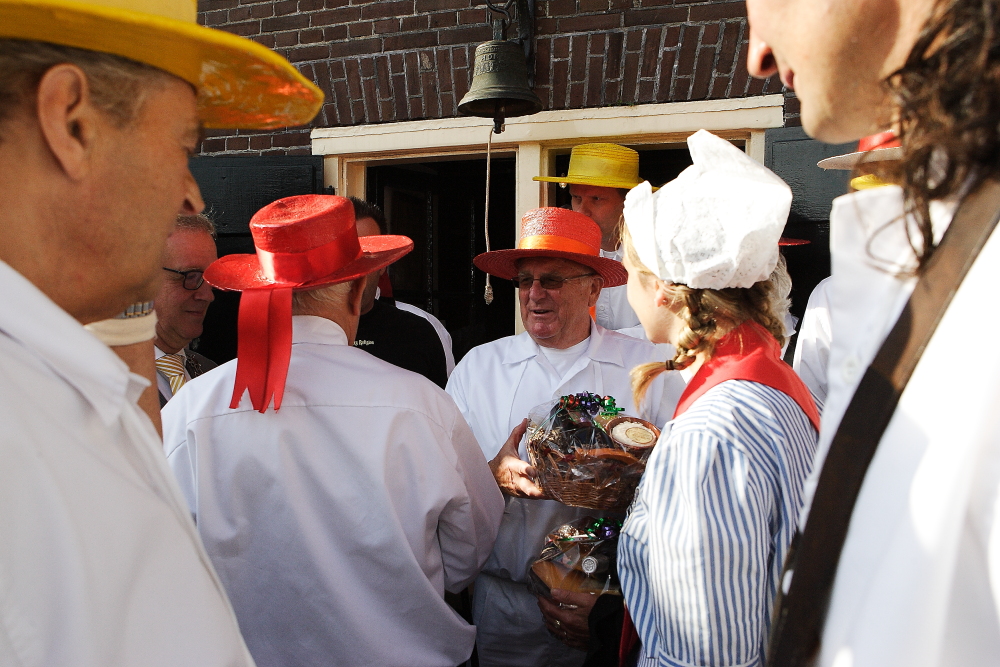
[[602, 347], [182, 353], [318, 330], [53, 335]]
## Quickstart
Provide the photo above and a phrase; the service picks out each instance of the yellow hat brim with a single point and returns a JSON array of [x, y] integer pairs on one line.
[[240, 84], [597, 181]]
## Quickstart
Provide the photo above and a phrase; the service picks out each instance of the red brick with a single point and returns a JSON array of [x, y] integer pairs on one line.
[[429, 90], [367, 67], [727, 52], [285, 39], [470, 35], [311, 36], [575, 95], [655, 16], [334, 33], [543, 61], [386, 25], [460, 73], [354, 78], [396, 63], [343, 98], [544, 27], [216, 18], [357, 112], [560, 8], [719, 87], [681, 88], [311, 5], [244, 29], [630, 77], [411, 23], [422, 6], [382, 77], [578, 59], [384, 9], [560, 79], [216, 4], [260, 142], [444, 70], [286, 7], [370, 98], [614, 57], [718, 10], [399, 96], [213, 145], [597, 44], [410, 40], [238, 144], [703, 73], [595, 80], [316, 52], [774, 85], [560, 47], [470, 16], [756, 86], [239, 14], [710, 34], [633, 40], [285, 23], [354, 47], [646, 91], [299, 151], [666, 75], [263, 11], [651, 54], [594, 5], [449, 105], [688, 50], [590, 22], [740, 75], [264, 40], [612, 92], [339, 16], [672, 37], [445, 20], [360, 29]]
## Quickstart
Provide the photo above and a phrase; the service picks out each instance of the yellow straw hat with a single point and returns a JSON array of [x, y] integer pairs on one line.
[[603, 165], [240, 83]]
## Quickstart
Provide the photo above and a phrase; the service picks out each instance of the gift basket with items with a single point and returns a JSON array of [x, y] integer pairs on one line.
[[586, 454], [578, 556]]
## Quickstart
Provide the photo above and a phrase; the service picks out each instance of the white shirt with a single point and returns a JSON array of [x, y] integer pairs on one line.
[[497, 384], [613, 310], [338, 522], [812, 350], [449, 354], [100, 564], [918, 582]]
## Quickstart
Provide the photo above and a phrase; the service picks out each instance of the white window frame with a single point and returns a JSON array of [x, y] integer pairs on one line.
[[535, 141]]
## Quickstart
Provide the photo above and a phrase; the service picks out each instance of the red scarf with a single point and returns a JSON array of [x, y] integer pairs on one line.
[[748, 352]]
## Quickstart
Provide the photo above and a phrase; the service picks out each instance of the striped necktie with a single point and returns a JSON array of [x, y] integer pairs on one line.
[[172, 366]]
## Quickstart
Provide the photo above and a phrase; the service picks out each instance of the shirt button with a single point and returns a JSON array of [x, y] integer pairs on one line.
[[851, 368]]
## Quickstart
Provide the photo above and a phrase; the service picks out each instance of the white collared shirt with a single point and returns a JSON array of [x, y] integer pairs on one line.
[[918, 583], [497, 384], [338, 522], [100, 563], [613, 310], [812, 348]]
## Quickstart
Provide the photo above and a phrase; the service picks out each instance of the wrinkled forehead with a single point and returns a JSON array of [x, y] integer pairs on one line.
[[555, 266]]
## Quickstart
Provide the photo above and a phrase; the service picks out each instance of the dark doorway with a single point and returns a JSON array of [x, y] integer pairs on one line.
[[234, 188], [440, 205]]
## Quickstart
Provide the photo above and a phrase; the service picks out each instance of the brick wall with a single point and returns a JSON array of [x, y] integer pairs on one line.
[[395, 60]]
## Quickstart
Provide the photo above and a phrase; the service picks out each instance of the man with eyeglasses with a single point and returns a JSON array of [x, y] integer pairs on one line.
[[559, 274], [181, 304]]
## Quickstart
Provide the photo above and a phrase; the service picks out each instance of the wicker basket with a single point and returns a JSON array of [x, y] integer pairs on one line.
[[611, 485]]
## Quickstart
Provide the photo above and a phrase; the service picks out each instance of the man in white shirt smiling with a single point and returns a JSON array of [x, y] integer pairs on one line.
[[560, 273], [101, 564]]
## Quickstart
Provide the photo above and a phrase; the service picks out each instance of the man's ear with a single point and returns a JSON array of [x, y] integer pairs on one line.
[[355, 296], [595, 290], [67, 118]]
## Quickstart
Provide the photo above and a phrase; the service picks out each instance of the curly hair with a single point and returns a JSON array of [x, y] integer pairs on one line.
[[710, 314], [948, 99]]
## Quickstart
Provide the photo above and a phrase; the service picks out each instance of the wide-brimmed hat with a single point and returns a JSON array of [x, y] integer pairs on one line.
[[240, 84], [601, 165], [558, 233], [303, 243], [881, 147]]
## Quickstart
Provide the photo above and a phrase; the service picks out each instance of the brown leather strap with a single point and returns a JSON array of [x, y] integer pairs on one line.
[[812, 560]]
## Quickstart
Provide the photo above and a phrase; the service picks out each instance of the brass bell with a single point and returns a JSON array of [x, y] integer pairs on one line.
[[500, 84]]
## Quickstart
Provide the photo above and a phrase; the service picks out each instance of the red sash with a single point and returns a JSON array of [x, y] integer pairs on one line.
[[748, 352]]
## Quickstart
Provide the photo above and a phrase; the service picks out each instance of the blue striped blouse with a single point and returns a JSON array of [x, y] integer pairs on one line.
[[701, 552]]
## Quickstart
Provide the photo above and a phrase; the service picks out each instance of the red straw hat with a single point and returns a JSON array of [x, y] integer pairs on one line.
[[880, 147], [560, 233], [302, 243]]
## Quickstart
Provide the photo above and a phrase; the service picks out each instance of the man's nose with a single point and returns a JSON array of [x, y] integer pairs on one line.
[[205, 293], [760, 58], [193, 203]]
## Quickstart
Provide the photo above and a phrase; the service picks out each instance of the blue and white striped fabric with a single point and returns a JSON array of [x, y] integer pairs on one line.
[[701, 552]]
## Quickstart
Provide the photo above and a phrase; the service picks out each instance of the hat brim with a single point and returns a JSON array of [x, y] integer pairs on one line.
[[240, 84], [503, 263], [851, 160], [237, 273], [588, 180], [786, 241]]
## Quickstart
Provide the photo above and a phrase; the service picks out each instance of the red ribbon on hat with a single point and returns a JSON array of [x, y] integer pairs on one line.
[[265, 346]]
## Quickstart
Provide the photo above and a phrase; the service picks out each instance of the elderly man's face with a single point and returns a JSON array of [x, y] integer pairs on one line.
[[558, 318], [141, 182], [836, 54], [180, 312]]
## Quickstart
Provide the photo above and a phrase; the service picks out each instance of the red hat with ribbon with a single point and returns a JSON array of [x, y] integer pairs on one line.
[[303, 243], [559, 233]]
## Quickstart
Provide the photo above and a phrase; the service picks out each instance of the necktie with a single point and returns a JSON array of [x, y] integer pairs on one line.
[[172, 365]]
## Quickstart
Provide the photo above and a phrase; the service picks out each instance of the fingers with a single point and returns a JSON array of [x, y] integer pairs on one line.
[[569, 628]]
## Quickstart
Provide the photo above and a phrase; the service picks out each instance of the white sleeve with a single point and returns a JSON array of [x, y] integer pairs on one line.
[[467, 528], [180, 454], [812, 351]]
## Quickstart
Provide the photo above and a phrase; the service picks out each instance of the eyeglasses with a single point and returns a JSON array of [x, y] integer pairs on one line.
[[546, 282], [193, 279]]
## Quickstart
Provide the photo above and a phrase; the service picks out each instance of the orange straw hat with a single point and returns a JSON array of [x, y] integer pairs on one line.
[[302, 243], [881, 147], [240, 84], [559, 233], [601, 165]]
